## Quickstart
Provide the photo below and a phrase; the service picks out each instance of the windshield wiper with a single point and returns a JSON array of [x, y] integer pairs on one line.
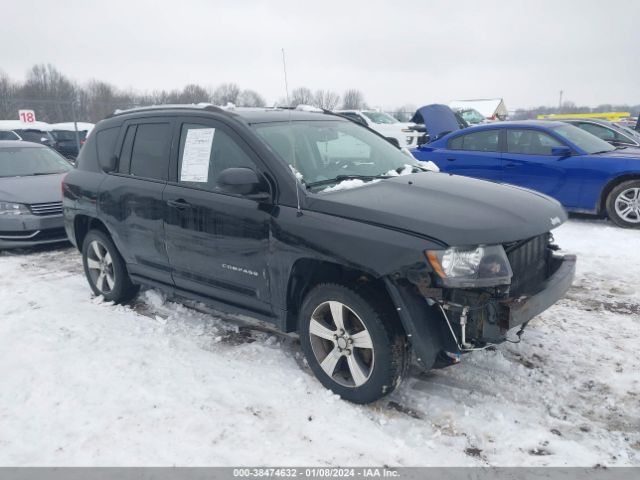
[[340, 178]]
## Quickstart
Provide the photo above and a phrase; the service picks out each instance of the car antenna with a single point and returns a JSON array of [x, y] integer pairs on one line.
[[295, 164]]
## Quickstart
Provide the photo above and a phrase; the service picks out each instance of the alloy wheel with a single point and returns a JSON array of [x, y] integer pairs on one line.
[[100, 266], [341, 344], [627, 205]]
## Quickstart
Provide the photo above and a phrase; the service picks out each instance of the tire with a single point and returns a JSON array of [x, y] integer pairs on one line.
[[623, 204], [105, 269], [366, 355]]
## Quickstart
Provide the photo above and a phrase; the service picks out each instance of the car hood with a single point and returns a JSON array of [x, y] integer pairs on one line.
[[452, 209], [35, 189], [438, 119]]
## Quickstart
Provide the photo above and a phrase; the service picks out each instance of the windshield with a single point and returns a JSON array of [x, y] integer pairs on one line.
[[69, 135], [380, 117], [330, 151], [630, 131], [472, 116], [583, 140], [27, 161]]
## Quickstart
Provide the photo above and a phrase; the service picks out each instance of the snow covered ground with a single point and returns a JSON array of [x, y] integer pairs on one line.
[[87, 383]]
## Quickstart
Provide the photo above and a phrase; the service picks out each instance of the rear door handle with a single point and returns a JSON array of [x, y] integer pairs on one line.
[[451, 159], [510, 165], [180, 204]]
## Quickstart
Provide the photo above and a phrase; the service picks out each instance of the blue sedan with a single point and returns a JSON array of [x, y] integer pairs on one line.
[[586, 174]]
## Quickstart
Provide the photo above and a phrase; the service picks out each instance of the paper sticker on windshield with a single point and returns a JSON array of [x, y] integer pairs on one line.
[[196, 155]]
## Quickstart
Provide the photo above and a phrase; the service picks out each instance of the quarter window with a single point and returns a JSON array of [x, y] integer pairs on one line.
[[205, 151], [530, 142], [106, 145], [150, 154], [482, 141]]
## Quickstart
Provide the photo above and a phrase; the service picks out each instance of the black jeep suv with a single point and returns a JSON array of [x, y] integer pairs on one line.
[[317, 225]]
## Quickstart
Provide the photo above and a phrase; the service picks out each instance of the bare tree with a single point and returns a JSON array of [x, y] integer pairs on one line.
[[8, 108], [226, 93], [326, 99], [301, 96], [250, 98], [353, 99], [193, 93], [49, 93]]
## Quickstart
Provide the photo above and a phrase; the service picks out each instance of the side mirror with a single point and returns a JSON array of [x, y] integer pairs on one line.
[[561, 152], [242, 181]]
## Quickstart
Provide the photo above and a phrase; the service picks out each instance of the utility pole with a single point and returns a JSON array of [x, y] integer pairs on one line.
[[560, 102]]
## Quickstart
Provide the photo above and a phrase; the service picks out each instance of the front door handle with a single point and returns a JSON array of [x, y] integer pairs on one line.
[[180, 204], [510, 165], [451, 159]]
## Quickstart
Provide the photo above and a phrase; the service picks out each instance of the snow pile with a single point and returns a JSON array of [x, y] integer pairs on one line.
[[85, 382], [429, 165], [347, 184]]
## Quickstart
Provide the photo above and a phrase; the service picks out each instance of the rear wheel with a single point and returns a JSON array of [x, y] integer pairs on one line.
[[623, 204], [351, 346], [105, 269]]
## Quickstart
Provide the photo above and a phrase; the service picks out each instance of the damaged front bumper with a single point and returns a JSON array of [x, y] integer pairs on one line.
[[518, 311], [457, 320]]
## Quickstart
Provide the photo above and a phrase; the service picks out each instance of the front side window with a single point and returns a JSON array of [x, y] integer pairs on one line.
[[205, 151], [31, 161], [328, 151], [583, 140], [481, 141], [150, 153], [530, 142]]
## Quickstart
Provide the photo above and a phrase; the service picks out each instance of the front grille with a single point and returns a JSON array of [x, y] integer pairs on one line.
[[51, 208], [529, 259]]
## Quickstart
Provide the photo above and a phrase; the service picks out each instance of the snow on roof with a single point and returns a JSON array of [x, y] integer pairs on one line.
[[488, 107], [18, 125], [82, 126]]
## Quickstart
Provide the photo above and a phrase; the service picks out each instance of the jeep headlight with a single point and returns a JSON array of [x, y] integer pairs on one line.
[[482, 266], [9, 208]]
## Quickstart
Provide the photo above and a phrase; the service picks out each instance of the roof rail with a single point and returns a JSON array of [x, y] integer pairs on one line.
[[189, 106]]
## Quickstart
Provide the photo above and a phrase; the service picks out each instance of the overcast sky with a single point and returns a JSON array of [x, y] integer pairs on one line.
[[396, 52]]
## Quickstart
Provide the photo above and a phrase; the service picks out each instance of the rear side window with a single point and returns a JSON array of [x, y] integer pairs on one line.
[[482, 141], [106, 144], [456, 143], [150, 153]]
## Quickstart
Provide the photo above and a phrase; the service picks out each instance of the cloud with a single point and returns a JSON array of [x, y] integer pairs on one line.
[[395, 52]]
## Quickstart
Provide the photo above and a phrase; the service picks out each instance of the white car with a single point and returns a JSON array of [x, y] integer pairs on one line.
[[400, 133]]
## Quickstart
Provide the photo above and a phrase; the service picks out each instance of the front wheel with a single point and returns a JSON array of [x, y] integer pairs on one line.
[[105, 269], [623, 204], [353, 348]]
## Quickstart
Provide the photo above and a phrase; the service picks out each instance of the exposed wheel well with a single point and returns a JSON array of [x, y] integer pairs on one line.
[[602, 203], [83, 224], [307, 273]]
